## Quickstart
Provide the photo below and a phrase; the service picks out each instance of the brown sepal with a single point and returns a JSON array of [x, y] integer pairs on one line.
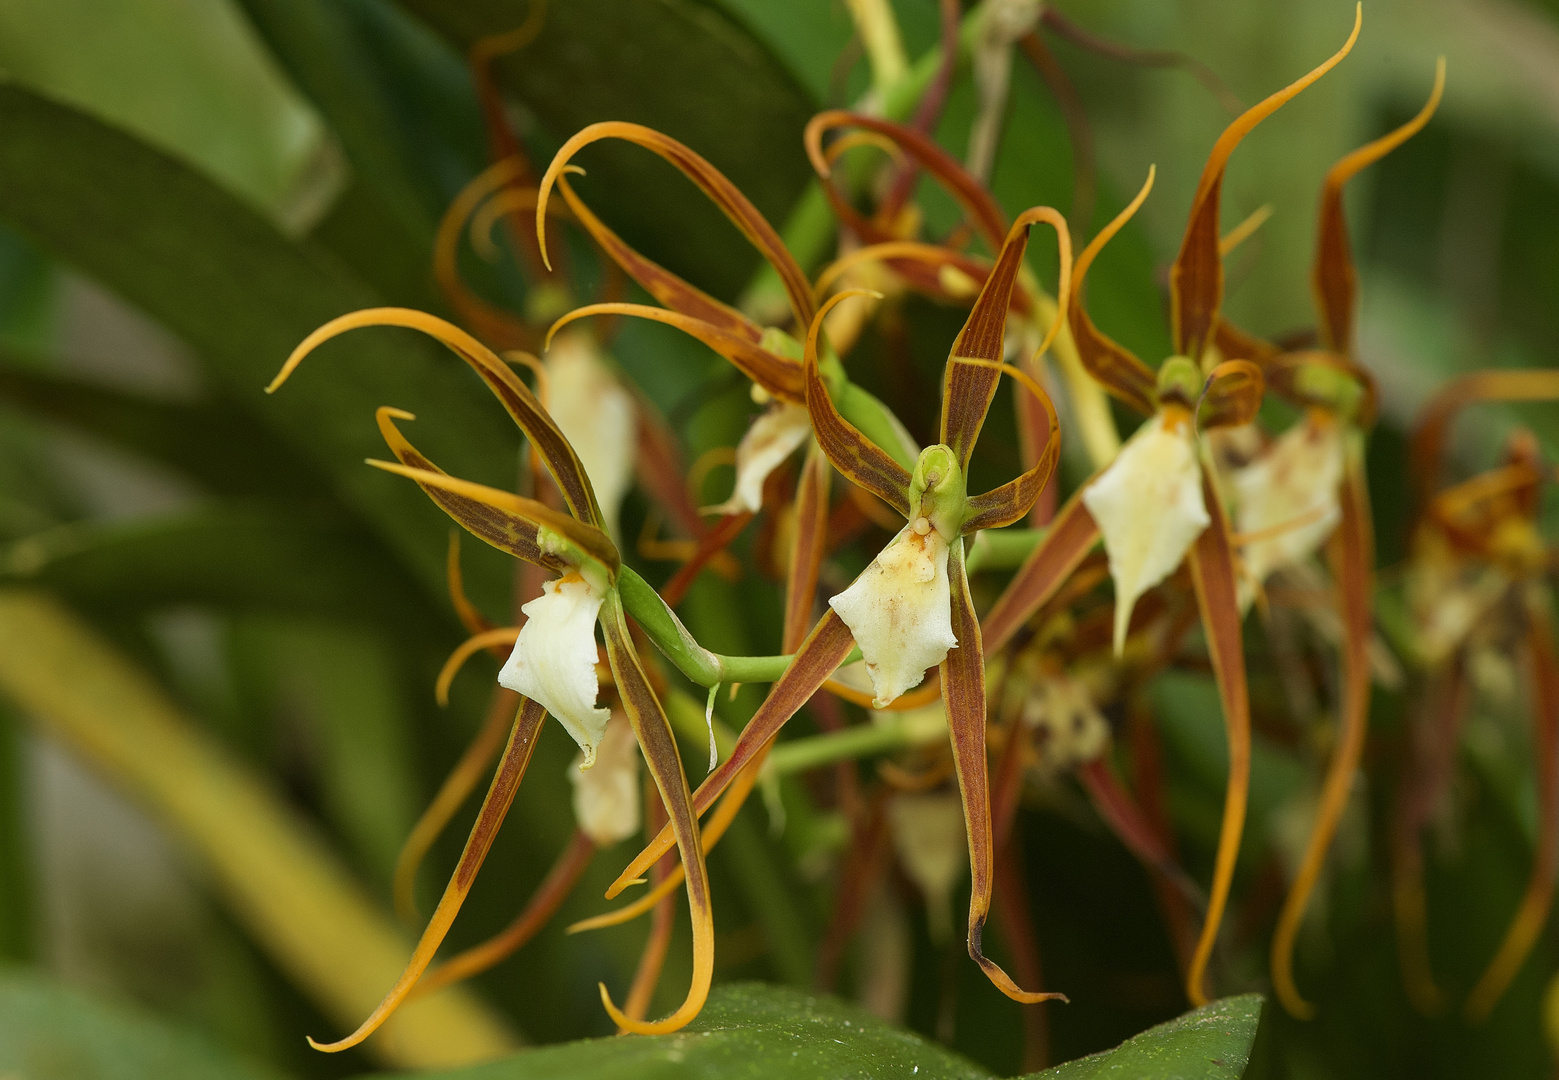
[[1213, 577], [1196, 278], [500, 795], [967, 390], [1112, 365], [1066, 543], [978, 204], [852, 453], [823, 651], [1333, 278], [659, 747], [711, 181], [963, 691], [779, 375], [1231, 396]]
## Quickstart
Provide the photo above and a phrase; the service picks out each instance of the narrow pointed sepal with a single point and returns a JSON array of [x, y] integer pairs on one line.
[[963, 689], [660, 751], [500, 795]]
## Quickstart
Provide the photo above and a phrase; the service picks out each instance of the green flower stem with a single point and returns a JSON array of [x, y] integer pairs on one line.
[[707, 669], [1001, 549], [888, 732], [687, 721]]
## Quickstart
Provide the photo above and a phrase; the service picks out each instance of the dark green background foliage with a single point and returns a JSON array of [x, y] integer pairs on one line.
[[293, 599]]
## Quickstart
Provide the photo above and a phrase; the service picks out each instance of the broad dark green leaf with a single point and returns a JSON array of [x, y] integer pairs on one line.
[[746, 1030], [238, 558], [50, 1033], [379, 224], [214, 444], [679, 66], [1210, 1043], [242, 296]]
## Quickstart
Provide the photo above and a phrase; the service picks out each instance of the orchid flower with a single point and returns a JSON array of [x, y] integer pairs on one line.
[[1338, 396], [554, 660], [1477, 581], [1153, 490], [921, 571]]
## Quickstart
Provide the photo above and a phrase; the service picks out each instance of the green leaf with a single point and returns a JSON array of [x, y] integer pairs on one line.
[[1210, 1043], [213, 444], [235, 557], [381, 225], [747, 1029], [50, 1033], [242, 296], [187, 76], [679, 66]]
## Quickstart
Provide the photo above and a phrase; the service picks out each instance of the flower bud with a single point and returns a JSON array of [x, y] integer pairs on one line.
[[1148, 506], [933, 846], [769, 441], [1296, 479], [597, 416], [900, 612], [553, 662], [606, 797]]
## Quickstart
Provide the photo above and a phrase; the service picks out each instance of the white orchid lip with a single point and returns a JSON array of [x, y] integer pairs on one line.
[[900, 611], [771, 439], [1149, 509], [1289, 497], [606, 797], [553, 662]]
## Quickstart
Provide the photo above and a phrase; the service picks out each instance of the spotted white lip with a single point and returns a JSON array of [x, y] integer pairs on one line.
[[1149, 509], [770, 440], [900, 612], [1296, 480], [553, 662]]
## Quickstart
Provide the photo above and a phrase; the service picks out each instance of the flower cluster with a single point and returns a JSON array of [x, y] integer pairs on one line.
[[1203, 514]]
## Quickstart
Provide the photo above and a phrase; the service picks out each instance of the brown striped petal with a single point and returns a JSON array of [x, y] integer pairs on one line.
[[1006, 504], [823, 651], [710, 180], [779, 375], [963, 689], [1071, 534], [1333, 278], [660, 752], [549, 443], [852, 453], [1196, 278], [968, 389], [507, 521], [978, 204], [1231, 395], [1114, 366]]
